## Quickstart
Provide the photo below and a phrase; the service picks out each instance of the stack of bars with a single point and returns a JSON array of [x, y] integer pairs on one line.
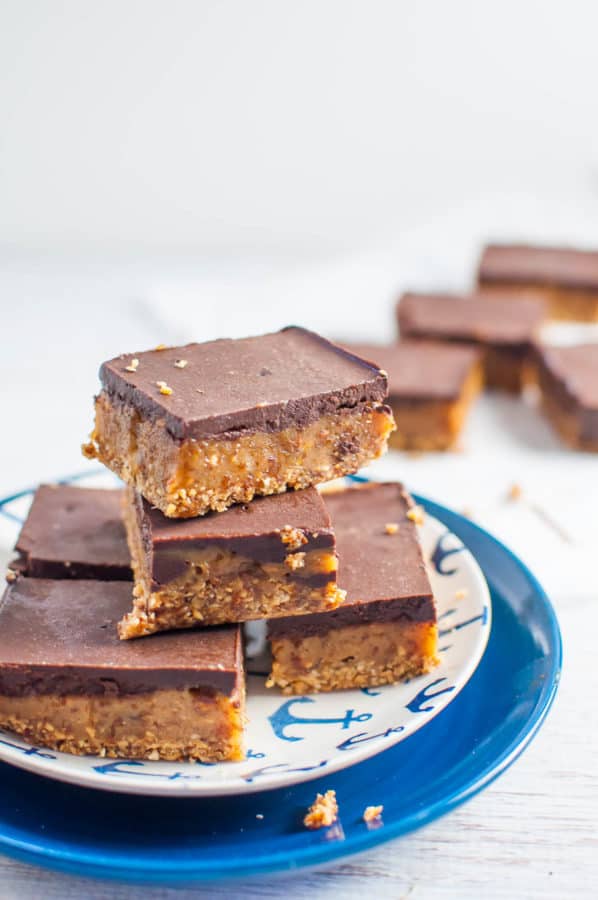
[[220, 446]]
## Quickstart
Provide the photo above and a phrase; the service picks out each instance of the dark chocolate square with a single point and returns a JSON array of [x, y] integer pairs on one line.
[[570, 375], [421, 370], [471, 318], [59, 636], [226, 387], [254, 530], [564, 267], [74, 532], [381, 569]]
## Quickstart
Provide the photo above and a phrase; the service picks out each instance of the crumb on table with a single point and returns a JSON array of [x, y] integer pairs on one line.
[[323, 811], [515, 492], [391, 527]]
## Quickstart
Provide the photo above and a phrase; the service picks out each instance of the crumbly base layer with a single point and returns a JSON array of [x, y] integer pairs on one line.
[[564, 304], [190, 477], [433, 424], [220, 587], [353, 656], [168, 724], [200, 601]]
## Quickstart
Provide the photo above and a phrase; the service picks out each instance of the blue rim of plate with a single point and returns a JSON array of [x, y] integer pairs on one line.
[[461, 751]]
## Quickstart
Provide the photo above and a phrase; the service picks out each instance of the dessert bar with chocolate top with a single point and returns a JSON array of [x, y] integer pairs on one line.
[[568, 381], [431, 386], [73, 532], [385, 631], [204, 426], [273, 557], [502, 330], [565, 277], [68, 682]]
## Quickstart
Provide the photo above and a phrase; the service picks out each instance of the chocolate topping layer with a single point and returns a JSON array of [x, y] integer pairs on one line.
[[227, 387], [383, 574], [554, 266], [253, 530], [74, 532], [474, 317], [571, 373], [421, 370], [60, 637]]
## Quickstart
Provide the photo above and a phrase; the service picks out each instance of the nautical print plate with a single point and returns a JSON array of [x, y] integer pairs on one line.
[[460, 752], [294, 739]]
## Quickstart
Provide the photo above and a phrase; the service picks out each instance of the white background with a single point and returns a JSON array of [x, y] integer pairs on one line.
[[181, 170], [311, 127]]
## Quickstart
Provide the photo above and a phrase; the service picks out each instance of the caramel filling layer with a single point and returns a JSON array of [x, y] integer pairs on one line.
[[168, 724], [188, 478], [572, 304], [353, 656], [433, 424], [219, 587]]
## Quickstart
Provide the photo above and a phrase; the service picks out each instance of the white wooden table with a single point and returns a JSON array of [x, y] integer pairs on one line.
[[534, 832]]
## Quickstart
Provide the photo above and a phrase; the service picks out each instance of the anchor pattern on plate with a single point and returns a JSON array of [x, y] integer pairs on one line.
[[26, 750], [284, 718], [421, 702], [441, 553]]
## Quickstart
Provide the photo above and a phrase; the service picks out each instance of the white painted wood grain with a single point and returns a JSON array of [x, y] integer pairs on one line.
[[532, 834]]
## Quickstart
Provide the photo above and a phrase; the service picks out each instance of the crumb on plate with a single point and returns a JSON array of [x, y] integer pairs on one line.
[[371, 813], [323, 811]]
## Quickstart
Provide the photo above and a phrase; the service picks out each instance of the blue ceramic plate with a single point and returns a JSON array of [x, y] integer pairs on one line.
[[453, 757], [290, 740]]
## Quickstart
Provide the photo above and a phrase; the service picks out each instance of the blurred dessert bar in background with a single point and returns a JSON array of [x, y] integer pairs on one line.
[[386, 630], [567, 378], [504, 331], [565, 277], [431, 386]]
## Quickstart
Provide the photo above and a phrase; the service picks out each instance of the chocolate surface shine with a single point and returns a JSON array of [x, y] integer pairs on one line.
[[60, 637], [74, 532], [420, 369], [523, 264], [474, 317], [227, 387], [252, 530], [383, 574]]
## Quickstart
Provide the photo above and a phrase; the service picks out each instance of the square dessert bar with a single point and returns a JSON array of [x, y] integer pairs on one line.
[[568, 382], [567, 279], [73, 532], [275, 556], [67, 682], [431, 386], [503, 330], [204, 426], [386, 629]]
